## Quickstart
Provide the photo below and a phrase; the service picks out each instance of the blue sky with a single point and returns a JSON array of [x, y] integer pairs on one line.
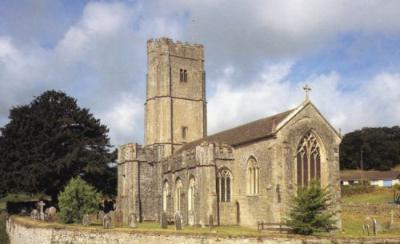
[[258, 57]]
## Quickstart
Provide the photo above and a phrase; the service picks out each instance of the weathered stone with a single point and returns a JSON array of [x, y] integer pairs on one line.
[[86, 220], [35, 214], [107, 221], [132, 220], [178, 221], [41, 205], [164, 221], [51, 213], [118, 219], [100, 216], [210, 221]]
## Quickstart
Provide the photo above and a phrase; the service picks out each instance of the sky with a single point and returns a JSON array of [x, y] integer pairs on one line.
[[258, 56]]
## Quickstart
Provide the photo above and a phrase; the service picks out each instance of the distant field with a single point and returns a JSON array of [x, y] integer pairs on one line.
[[379, 195]]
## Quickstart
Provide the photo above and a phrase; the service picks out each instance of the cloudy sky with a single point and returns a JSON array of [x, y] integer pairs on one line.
[[259, 55]]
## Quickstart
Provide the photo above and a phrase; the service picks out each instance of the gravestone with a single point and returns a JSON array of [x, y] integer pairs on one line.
[[164, 221], [112, 215], [100, 216], [210, 221], [41, 205], [191, 218], [367, 225], [51, 213], [178, 222], [35, 214], [107, 221], [86, 220], [132, 220], [376, 227], [117, 220], [391, 226]]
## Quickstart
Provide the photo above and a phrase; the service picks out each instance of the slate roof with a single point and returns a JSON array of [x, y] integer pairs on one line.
[[346, 175], [252, 131]]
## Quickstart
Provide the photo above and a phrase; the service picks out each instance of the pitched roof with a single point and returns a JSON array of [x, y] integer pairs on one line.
[[245, 133], [346, 175]]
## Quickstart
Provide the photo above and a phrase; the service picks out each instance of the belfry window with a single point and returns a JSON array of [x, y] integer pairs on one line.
[[308, 160], [252, 177], [224, 182], [183, 75]]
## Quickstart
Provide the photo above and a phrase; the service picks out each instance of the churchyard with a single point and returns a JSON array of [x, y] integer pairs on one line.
[[356, 208]]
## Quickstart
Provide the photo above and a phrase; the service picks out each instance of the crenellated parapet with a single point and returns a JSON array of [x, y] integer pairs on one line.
[[204, 154], [167, 45], [135, 152], [223, 152]]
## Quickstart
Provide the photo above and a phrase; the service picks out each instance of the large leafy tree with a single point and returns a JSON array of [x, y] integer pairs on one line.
[[371, 148], [49, 141]]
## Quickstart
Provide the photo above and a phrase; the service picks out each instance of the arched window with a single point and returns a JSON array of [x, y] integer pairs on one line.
[[165, 196], [178, 193], [224, 182], [191, 190], [308, 160], [252, 177]]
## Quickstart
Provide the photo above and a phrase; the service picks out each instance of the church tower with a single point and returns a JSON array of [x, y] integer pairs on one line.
[[175, 100]]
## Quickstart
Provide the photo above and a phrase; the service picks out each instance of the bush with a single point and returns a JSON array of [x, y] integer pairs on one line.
[[310, 210], [77, 199]]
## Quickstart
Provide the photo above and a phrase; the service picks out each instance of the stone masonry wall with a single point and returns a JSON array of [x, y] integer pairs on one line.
[[23, 234]]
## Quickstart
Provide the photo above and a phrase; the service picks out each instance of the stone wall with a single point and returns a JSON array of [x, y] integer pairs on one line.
[[21, 233]]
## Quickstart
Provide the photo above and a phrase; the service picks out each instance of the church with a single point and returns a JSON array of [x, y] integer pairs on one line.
[[235, 177]]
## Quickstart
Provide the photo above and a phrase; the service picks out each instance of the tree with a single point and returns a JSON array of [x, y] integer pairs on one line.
[[371, 148], [77, 199], [49, 141], [309, 210]]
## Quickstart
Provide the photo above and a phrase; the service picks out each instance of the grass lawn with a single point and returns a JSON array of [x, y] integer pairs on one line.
[[153, 227], [379, 195], [352, 222]]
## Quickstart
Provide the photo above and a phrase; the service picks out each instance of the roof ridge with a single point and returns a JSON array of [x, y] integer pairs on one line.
[[223, 136]]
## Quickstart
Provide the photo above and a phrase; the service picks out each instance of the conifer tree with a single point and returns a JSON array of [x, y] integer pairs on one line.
[[49, 141], [310, 210]]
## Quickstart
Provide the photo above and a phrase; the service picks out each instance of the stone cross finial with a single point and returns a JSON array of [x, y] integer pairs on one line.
[[307, 89]]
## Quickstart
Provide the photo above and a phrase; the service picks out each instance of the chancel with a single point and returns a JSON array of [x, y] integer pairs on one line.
[[237, 176]]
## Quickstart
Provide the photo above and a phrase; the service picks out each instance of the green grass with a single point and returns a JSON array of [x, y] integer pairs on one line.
[[151, 227], [352, 222], [378, 196]]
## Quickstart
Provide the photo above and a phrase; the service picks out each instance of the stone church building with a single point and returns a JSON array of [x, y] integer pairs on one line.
[[237, 176]]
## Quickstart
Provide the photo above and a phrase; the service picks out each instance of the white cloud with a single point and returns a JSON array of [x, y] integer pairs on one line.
[[125, 118], [375, 103], [101, 58]]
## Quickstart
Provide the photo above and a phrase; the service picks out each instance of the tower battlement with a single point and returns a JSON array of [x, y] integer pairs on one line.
[[177, 48]]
